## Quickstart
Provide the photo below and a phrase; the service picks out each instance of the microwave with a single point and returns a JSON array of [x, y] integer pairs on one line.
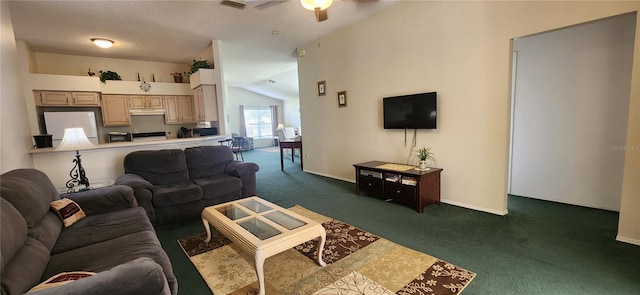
[[120, 136]]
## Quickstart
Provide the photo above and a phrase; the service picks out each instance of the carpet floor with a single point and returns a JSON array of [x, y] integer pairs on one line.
[[540, 247], [358, 262]]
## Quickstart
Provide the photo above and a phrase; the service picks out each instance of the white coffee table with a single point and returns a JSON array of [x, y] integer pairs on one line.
[[263, 229]]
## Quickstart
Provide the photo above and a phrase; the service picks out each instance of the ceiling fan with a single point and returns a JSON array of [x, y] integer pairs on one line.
[[319, 6]]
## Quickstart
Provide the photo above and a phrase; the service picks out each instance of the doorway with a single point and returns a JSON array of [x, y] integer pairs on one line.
[[570, 103]]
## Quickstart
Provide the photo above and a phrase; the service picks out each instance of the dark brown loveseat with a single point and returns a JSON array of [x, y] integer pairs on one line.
[[175, 184]]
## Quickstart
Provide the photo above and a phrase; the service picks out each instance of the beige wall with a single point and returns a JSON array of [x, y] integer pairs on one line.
[[461, 50], [629, 224], [62, 64], [15, 134]]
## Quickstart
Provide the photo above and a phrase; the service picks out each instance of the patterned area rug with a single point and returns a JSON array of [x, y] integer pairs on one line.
[[358, 262]]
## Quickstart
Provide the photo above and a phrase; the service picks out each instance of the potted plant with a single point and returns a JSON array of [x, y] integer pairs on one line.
[[177, 77], [196, 65], [109, 75], [423, 155]]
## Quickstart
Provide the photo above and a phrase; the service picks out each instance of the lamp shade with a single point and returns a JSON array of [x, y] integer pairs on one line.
[[280, 126], [313, 4], [74, 139]]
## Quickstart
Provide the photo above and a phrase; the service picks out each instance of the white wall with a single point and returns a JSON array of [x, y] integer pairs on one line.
[[292, 113], [570, 116], [237, 97], [460, 49], [15, 134]]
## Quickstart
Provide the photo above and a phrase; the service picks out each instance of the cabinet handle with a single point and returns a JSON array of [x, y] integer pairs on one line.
[[398, 191]]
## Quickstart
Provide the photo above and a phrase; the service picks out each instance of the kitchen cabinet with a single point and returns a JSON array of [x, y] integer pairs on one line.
[[115, 110], [66, 98], [206, 103], [145, 102], [179, 109]]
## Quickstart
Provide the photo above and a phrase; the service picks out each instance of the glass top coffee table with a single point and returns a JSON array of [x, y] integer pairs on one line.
[[262, 229]]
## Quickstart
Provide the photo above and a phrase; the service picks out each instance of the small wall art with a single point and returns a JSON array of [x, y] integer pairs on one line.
[[342, 99], [322, 88]]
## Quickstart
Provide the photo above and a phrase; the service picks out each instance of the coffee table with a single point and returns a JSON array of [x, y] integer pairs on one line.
[[263, 229]]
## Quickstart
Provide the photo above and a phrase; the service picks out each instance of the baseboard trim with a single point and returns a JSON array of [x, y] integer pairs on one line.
[[454, 203], [620, 238], [330, 176], [477, 208]]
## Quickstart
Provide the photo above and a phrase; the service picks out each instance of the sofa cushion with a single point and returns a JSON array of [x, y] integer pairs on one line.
[[158, 167], [101, 256], [207, 161], [13, 232], [29, 191], [219, 185], [167, 195], [25, 268], [98, 228]]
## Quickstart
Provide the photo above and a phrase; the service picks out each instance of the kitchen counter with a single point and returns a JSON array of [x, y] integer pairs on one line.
[[205, 140]]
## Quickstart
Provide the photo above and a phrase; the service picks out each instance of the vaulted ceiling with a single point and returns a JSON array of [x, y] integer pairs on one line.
[[258, 42]]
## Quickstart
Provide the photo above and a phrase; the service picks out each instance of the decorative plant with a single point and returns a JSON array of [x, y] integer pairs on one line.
[[425, 154], [109, 75], [196, 65]]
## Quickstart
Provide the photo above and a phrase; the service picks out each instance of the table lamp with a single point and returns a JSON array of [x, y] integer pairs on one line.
[[75, 139]]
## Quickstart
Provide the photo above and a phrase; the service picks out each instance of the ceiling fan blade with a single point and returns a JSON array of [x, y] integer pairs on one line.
[[321, 15]]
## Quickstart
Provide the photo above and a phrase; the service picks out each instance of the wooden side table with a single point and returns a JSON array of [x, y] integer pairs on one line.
[[297, 144]]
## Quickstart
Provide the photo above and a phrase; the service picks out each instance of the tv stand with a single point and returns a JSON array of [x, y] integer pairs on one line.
[[413, 187]]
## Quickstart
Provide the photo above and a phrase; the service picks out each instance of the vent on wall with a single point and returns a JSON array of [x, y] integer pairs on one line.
[[233, 3]]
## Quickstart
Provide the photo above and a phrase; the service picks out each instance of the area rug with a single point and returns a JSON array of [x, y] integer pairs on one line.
[[358, 262]]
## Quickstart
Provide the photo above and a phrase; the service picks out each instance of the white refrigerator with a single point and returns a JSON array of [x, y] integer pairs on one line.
[[56, 122]]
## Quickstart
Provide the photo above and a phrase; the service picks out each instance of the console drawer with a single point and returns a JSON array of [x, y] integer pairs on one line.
[[370, 184], [400, 193]]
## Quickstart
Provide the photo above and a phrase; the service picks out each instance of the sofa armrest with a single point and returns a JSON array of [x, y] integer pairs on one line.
[[247, 173], [142, 190], [138, 276], [237, 168], [104, 200], [134, 181]]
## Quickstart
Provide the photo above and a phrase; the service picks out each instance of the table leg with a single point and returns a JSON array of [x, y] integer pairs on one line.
[[281, 161], [259, 260], [293, 154], [323, 239], [208, 229]]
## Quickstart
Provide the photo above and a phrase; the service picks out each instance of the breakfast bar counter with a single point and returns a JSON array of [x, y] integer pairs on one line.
[[106, 160]]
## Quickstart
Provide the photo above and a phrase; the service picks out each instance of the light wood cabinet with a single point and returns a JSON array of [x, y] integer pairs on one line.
[[145, 102], [206, 103], [66, 98], [186, 109], [115, 110], [179, 109]]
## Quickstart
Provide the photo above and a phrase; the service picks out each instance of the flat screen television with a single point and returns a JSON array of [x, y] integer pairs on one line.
[[415, 111]]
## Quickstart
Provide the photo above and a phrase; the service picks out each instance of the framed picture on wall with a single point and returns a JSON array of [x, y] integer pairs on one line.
[[322, 88], [342, 99]]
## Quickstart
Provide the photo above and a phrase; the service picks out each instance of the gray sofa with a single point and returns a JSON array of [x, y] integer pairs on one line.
[[175, 184], [115, 240]]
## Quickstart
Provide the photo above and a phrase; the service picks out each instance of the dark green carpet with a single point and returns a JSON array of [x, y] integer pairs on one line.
[[538, 248]]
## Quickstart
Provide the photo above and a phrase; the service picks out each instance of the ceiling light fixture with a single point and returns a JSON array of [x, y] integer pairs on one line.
[[102, 43], [313, 4]]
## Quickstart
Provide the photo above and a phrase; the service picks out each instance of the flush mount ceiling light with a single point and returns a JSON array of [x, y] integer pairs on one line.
[[102, 43]]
